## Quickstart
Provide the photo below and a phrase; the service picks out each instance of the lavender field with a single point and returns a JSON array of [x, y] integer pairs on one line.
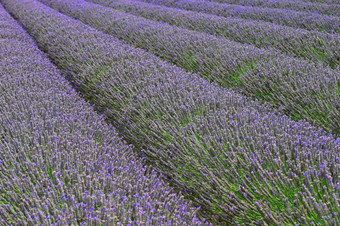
[[169, 112]]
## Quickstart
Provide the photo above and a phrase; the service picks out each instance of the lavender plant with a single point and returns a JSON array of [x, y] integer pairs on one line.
[[328, 9], [241, 161], [60, 163], [298, 87], [304, 20], [313, 45]]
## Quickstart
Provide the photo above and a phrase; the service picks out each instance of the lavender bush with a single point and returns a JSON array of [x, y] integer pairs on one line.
[[239, 160], [313, 45], [60, 163], [309, 21], [328, 9], [298, 87]]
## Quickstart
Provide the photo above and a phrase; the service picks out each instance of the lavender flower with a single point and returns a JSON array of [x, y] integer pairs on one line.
[[305, 20], [60, 163], [313, 45], [299, 88], [191, 130], [308, 6]]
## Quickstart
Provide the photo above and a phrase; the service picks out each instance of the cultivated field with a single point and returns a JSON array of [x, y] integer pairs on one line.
[[169, 112]]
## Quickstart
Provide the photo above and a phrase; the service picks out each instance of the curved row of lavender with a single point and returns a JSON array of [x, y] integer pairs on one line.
[[239, 160], [297, 5], [60, 162], [305, 20], [313, 45], [299, 88]]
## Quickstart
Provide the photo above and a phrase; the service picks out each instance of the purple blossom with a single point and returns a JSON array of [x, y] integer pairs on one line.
[[109, 74], [48, 137]]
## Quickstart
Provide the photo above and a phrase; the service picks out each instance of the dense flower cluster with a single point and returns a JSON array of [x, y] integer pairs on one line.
[[305, 20], [239, 160], [60, 162], [300, 88], [313, 45], [297, 5]]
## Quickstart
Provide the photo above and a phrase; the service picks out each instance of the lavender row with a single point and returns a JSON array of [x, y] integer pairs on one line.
[[328, 9], [60, 162], [6, 31], [316, 46], [299, 88], [304, 20], [237, 159]]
